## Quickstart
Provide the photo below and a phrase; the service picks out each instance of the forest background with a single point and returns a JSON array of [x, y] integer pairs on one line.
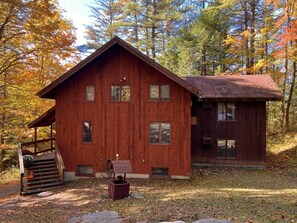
[[202, 37]]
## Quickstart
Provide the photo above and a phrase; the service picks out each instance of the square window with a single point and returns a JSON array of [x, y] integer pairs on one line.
[[87, 131], [90, 93], [165, 92], [154, 92], [125, 93], [160, 133], [115, 93], [227, 148], [85, 170], [226, 111]]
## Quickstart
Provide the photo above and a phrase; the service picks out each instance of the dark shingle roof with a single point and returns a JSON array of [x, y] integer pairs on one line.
[[236, 87]]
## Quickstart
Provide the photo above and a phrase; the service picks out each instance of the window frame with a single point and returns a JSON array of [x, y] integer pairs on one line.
[[225, 117], [162, 170], [78, 173], [83, 132], [159, 98], [226, 157], [121, 96], [86, 93], [159, 131]]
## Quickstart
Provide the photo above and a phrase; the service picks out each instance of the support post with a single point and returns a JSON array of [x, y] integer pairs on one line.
[[52, 145], [35, 139]]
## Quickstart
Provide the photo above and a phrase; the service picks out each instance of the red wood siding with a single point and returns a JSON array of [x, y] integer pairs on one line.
[[122, 127], [249, 131]]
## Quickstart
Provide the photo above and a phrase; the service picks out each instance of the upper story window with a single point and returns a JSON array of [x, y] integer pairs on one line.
[[226, 111], [87, 131], [226, 149], [160, 133], [159, 92], [120, 93], [90, 93]]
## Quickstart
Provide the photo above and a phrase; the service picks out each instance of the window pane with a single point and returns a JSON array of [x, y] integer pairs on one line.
[[222, 148], [115, 93], [90, 93], [165, 133], [165, 92], [221, 111], [159, 171], [154, 132], [231, 152], [84, 170], [125, 93], [87, 132], [154, 92], [231, 111]]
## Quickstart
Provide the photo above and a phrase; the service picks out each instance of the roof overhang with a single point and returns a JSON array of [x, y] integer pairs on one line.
[[46, 119]]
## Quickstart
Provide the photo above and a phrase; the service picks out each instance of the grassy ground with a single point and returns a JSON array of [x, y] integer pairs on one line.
[[9, 176], [239, 195]]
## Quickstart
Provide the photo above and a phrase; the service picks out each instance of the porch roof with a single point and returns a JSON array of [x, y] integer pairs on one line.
[[45, 119]]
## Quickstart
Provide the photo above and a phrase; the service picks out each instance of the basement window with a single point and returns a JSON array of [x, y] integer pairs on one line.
[[85, 170], [160, 172], [87, 131]]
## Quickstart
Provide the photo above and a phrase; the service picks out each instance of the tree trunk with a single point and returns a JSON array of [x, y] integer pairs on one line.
[[246, 45], [290, 96], [284, 91], [252, 34]]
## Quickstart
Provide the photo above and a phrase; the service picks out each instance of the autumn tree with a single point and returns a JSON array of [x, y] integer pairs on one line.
[[35, 42]]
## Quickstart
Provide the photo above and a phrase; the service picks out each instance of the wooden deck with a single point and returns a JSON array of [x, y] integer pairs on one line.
[[45, 156]]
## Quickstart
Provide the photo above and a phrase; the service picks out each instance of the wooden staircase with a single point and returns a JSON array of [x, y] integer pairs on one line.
[[42, 175]]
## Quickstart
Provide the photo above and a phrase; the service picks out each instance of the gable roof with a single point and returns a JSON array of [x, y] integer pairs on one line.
[[49, 91], [236, 87]]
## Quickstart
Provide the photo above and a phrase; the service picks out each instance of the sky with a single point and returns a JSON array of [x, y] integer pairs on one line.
[[79, 12]]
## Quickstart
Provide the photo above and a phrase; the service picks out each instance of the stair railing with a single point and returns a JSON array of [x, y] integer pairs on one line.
[[21, 165], [59, 161]]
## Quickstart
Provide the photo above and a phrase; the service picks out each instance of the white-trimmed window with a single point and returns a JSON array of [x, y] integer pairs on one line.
[[159, 92], [90, 93], [120, 93], [160, 133], [226, 111], [226, 149]]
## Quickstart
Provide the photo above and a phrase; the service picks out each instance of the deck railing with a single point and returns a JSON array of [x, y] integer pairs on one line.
[[22, 168], [36, 148]]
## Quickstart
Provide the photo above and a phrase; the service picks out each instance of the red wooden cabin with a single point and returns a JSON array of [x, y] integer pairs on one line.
[[119, 102]]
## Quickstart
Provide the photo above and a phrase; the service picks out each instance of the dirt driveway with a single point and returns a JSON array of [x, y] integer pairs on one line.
[[9, 189]]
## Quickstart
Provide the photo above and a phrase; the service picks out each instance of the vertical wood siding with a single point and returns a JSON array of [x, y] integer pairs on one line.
[[249, 131], [122, 127]]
